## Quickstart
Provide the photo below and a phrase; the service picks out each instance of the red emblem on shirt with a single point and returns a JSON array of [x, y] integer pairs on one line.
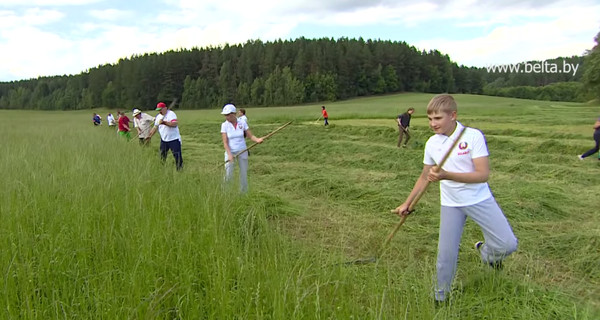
[[463, 145]]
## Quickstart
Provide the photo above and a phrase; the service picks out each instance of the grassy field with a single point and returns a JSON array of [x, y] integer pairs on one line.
[[96, 227]]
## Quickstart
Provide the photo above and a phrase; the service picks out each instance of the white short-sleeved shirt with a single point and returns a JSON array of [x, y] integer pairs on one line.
[[472, 145], [243, 118], [167, 133], [144, 123], [235, 135]]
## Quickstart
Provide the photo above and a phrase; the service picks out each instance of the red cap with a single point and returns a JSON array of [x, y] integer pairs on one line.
[[160, 105]]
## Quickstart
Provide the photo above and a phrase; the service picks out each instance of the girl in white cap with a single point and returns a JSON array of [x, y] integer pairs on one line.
[[232, 133]]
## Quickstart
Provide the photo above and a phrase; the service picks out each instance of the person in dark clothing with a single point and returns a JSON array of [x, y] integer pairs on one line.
[[597, 139], [403, 124], [96, 119]]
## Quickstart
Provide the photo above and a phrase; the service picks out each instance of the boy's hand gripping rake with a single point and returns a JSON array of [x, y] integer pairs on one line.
[[410, 209]]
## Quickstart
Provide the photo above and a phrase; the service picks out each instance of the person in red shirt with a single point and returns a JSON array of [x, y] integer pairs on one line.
[[325, 116], [124, 125]]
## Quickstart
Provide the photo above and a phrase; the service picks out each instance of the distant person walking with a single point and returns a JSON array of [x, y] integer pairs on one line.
[[464, 192], [242, 115], [403, 124], [168, 127], [124, 130], [143, 123], [325, 115], [596, 139], [110, 119], [232, 134]]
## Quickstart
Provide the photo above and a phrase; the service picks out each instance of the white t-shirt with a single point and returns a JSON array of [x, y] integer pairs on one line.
[[471, 145], [110, 119], [243, 118], [235, 136], [144, 123], [167, 133]]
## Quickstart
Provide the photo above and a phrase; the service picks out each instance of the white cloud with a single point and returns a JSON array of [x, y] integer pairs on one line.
[[28, 50], [408, 15], [504, 44], [31, 17], [507, 32], [53, 3], [110, 14]]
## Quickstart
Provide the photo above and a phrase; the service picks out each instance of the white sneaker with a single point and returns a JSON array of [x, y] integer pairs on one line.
[[580, 157], [478, 245]]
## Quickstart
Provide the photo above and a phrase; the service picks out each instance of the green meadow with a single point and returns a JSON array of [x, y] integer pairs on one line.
[[95, 227]]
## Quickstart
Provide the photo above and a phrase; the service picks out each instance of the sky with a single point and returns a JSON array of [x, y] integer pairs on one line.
[[63, 37]]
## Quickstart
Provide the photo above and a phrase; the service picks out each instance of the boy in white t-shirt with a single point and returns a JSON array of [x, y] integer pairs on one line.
[[464, 193]]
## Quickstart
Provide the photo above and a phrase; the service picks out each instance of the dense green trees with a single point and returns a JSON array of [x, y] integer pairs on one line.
[[255, 73], [591, 76], [553, 79], [286, 72], [559, 91]]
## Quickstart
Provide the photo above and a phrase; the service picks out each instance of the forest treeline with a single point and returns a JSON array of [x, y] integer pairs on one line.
[[283, 72]]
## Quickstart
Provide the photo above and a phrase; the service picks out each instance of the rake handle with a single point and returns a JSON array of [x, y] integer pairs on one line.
[[264, 138], [439, 166], [393, 233], [421, 192], [172, 104]]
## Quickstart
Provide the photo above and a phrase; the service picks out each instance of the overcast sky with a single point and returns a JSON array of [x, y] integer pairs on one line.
[[56, 37]]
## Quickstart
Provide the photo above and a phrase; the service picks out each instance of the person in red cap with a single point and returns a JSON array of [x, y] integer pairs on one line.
[[167, 126]]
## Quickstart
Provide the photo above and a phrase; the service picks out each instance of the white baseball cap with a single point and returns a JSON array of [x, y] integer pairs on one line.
[[136, 112], [228, 108]]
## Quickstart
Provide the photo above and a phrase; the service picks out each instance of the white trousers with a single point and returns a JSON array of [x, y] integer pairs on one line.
[[499, 238], [242, 161]]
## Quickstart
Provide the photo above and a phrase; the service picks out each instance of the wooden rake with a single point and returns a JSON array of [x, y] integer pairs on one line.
[[253, 145], [410, 210], [171, 105]]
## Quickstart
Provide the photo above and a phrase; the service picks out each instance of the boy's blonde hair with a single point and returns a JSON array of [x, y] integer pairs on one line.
[[442, 103]]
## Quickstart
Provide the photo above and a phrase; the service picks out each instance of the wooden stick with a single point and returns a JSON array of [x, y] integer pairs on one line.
[[393, 233], [172, 104], [264, 138], [420, 194]]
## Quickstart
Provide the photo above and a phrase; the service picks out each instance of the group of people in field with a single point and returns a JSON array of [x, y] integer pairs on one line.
[[165, 123], [456, 156], [234, 132]]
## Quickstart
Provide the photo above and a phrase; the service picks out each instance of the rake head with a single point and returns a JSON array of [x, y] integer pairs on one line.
[[361, 261]]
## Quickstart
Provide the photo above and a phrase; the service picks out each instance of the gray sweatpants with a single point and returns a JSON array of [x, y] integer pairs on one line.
[[499, 238], [242, 161]]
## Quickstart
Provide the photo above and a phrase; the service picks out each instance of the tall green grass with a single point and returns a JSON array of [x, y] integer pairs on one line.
[[97, 227]]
